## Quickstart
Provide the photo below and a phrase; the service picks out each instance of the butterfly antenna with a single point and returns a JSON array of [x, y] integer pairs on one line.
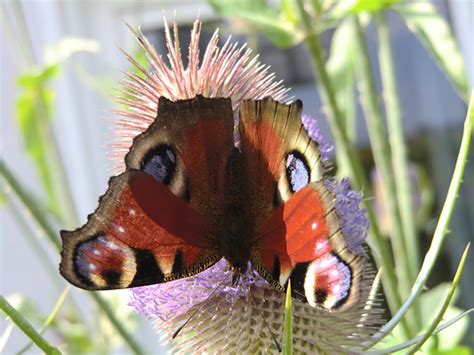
[[277, 344], [176, 333]]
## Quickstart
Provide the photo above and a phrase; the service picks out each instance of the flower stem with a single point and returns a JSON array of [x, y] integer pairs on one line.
[[30, 204], [382, 156], [442, 226], [109, 312], [27, 328], [336, 123], [21, 219], [57, 306], [398, 148], [445, 305], [288, 324], [51, 234]]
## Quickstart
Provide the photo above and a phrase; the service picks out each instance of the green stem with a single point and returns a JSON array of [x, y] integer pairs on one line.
[[445, 305], [51, 233], [399, 154], [30, 205], [394, 349], [57, 306], [288, 323], [105, 307], [382, 255], [35, 244], [382, 157], [27, 328], [397, 142], [441, 227]]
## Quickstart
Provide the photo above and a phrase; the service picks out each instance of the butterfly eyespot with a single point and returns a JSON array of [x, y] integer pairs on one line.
[[321, 296], [297, 170], [116, 271], [328, 282], [160, 162]]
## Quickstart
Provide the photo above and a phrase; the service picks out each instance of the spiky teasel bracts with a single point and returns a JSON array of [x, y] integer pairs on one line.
[[225, 71]]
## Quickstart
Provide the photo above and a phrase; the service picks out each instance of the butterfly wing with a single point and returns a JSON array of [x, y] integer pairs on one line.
[[297, 227], [302, 241], [273, 142], [147, 229]]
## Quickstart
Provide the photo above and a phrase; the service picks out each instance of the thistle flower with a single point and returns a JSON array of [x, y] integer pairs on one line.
[[230, 318], [227, 71]]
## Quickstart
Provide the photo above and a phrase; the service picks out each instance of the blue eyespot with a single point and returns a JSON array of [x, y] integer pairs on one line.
[[297, 171], [160, 162]]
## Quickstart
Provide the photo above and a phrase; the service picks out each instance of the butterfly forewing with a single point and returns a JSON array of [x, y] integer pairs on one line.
[[158, 221]]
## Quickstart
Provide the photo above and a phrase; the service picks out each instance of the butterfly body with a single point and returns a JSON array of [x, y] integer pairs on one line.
[[190, 196]]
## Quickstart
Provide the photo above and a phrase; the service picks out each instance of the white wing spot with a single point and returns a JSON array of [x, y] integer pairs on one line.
[[335, 273], [325, 263], [111, 245], [321, 245], [132, 212], [96, 252], [92, 267], [314, 225]]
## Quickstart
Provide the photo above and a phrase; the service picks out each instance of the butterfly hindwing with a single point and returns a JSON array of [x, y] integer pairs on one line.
[[146, 229], [136, 237], [302, 241]]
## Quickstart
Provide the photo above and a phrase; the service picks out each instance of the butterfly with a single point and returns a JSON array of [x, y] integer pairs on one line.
[[190, 196]]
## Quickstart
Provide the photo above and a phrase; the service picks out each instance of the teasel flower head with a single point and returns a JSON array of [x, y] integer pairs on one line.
[[222, 316], [229, 70]]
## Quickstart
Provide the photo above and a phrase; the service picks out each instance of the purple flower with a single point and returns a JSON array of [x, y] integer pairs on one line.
[[352, 218], [311, 125]]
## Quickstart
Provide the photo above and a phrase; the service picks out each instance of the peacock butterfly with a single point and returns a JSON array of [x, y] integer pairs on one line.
[[190, 196]]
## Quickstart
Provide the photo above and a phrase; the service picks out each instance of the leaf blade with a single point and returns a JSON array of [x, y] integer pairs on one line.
[[434, 33]]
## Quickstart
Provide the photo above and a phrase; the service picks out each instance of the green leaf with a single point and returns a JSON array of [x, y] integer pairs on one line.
[[287, 8], [280, 28], [458, 350], [423, 19], [3, 198], [34, 112], [37, 76], [288, 325], [371, 5], [346, 8], [430, 302]]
